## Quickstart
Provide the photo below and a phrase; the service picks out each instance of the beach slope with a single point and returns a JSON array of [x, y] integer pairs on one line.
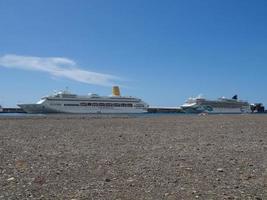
[[164, 157]]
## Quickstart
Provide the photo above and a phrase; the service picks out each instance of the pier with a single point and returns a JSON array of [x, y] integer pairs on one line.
[[12, 110], [164, 110]]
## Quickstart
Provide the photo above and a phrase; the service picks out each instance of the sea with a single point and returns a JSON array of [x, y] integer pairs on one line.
[[25, 115]]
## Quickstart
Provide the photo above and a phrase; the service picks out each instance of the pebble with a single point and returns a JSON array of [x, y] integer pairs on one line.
[[11, 179], [220, 170], [130, 180], [107, 180]]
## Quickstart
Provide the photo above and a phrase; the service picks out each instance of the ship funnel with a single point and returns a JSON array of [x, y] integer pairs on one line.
[[235, 97], [116, 91]]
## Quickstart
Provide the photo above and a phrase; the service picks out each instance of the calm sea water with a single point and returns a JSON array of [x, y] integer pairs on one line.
[[89, 115], [3, 115], [19, 115]]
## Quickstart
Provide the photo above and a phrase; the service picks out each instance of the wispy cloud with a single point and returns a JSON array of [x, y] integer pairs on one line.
[[59, 67]]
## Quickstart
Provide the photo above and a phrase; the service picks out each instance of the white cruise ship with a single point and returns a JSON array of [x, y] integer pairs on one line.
[[221, 105], [1, 109], [65, 102]]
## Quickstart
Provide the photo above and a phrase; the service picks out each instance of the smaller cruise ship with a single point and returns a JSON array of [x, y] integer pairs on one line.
[[66, 102], [221, 105], [1, 108]]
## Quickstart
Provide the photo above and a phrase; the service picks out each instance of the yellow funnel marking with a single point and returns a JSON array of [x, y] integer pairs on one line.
[[116, 91]]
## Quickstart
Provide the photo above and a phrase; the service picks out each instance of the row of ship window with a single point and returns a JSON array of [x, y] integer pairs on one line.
[[101, 104], [107, 104]]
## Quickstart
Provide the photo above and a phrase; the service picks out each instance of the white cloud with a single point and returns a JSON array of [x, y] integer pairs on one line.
[[59, 67]]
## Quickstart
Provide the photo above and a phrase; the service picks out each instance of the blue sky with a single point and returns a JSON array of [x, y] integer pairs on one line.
[[161, 51]]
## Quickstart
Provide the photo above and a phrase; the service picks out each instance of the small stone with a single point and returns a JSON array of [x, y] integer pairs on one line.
[[40, 180], [230, 198], [107, 180], [21, 164], [220, 170], [130, 180], [11, 179]]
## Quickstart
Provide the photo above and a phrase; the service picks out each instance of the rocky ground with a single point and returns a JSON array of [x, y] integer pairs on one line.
[[163, 157]]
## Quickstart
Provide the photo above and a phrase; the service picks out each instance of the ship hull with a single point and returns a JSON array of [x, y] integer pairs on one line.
[[216, 110], [45, 109]]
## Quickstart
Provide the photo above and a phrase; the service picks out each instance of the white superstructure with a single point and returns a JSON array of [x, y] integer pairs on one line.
[[65, 102], [221, 105]]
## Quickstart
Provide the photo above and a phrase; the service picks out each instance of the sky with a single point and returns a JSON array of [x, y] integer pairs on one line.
[[162, 51]]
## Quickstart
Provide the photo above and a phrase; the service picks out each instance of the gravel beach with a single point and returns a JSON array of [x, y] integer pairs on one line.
[[122, 157]]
